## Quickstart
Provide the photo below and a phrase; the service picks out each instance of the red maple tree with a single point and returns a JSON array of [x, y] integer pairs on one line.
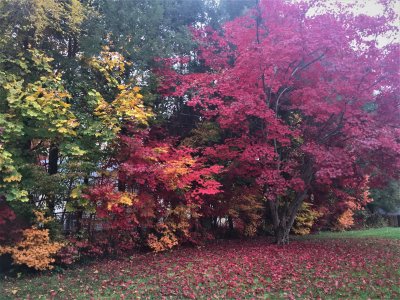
[[307, 103]]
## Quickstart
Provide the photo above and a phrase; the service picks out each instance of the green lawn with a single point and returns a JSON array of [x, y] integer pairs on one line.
[[327, 266], [386, 232]]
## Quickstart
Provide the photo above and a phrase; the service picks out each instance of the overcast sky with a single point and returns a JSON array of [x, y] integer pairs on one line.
[[367, 7]]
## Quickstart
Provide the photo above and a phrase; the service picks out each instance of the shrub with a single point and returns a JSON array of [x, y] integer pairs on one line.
[[165, 240], [35, 248], [364, 218], [305, 219], [344, 221]]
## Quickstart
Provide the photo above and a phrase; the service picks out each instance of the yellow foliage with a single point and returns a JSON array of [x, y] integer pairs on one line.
[[176, 226], [123, 199], [9, 174], [15, 177], [251, 229], [178, 219], [40, 217], [35, 249], [128, 104], [165, 242], [305, 219], [156, 151], [175, 169], [160, 150], [51, 17], [76, 15], [247, 210], [44, 101], [110, 65]]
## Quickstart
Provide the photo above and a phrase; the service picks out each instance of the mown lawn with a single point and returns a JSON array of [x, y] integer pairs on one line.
[[385, 232], [329, 268]]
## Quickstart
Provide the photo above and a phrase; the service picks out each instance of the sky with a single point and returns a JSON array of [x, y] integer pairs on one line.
[[367, 7]]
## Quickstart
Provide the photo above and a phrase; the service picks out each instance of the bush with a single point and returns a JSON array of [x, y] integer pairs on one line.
[[366, 219], [344, 221], [305, 219], [35, 248]]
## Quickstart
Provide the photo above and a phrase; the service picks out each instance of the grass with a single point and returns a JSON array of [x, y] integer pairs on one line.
[[385, 232], [327, 265]]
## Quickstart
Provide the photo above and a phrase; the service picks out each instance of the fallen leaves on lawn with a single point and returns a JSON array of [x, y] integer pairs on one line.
[[245, 269]]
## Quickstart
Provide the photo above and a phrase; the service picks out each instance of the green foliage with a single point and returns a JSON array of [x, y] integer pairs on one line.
[[38, 114], [226, 10], [10, 178], [44, 24], [34, 113], [387, 198], [145, 29], [78, 202], [367, 219], [207, 133]]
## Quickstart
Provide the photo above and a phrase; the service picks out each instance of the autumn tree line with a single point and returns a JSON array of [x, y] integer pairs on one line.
[[146, 124]]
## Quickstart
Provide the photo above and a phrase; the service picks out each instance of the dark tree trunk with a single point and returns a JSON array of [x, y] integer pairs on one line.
[[142, 234], [121, 186], [53, 159], [79, 216], [283, 218], [214, 222], [230, 223], [52, 169], [282, 235], [79, 212], [89, 227]]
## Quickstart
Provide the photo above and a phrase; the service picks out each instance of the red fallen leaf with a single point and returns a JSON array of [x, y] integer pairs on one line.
[[53, 293]]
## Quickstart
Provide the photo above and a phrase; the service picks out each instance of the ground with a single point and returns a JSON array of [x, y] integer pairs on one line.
[[355, 265]]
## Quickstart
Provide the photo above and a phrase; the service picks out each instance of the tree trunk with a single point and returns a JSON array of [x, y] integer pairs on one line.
[[53, 159], [230, 223], [52, 169], [79, 212], [282, 235], [78, 216], [121, 186], [214, 223], [283, 220]]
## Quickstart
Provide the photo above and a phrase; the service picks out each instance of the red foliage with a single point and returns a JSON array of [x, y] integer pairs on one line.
[[11, 226], [306, 105], [156, 178], [6, 217]]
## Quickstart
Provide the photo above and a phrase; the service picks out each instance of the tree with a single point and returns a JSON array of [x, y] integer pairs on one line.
[[33, 95], [307, 103], [58, 109]]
